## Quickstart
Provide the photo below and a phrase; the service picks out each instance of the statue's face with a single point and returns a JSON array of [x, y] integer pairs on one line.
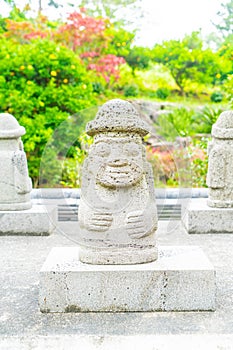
[[117, 161]]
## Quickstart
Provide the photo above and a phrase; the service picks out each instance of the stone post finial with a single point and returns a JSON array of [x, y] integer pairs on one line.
[[117, 212], [220, 166], [15, 185]]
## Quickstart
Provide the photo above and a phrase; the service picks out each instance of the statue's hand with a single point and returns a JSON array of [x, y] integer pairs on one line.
[[100, 221], [139, 224], [135, 224]]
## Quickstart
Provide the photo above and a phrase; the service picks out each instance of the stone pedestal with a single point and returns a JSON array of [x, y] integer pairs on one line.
[[182, 279], [198, 217], [37, 221]]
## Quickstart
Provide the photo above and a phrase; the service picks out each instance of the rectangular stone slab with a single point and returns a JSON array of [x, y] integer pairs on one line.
[[198, 217], [37, 221], [182, 279]]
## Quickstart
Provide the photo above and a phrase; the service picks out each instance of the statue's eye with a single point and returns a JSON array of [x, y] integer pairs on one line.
[[102, 149], [131, 149]]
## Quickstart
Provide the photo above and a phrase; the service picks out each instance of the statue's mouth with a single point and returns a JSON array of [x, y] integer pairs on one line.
[[118, 163], [119, 174]]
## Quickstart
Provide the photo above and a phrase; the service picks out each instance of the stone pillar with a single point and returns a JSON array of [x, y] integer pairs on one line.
[[117, 212], [15, 184], [220, 167], [215, 214], [17, 215]]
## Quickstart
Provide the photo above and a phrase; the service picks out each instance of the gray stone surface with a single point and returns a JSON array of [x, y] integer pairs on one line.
[[122, 342], [23, 326], [15, 184], [220, 164], [200, 218], [37, 221], [182, 279], [215, 214], [117, 211]]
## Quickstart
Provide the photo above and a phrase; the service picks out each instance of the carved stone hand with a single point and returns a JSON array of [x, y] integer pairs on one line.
[[100, 221]]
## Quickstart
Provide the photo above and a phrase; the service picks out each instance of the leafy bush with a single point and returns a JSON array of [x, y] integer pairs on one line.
[[228, 88], [205, 118], [98, 88], [216, 96], [131, 90], [41, 84], [91, 38], [177, 122], [162, 93], [71, 167], [199, 162]]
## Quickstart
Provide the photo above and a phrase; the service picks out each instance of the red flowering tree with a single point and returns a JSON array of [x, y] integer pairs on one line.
[[24, 31], [82, 31], [91, 38], [106, 66]]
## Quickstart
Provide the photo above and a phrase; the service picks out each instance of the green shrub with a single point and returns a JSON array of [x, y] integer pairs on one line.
[[205, 118], [162, 93], [216, 96], [199, 162], [41, 84], [131, 91], [71, 167], [177, 122], [228, 89], [98, 88]]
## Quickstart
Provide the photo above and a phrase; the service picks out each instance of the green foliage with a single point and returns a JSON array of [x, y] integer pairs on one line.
[[228, 88], [186, 122], [147, 81], [72, 167], [42, 83], [138, 57], [131, 90], [162, 93], [198, 161], [68, 145], [45, 84], [188, 61], [217, 96], [121, 41], [205, 118], [178, 122], [98, 87]]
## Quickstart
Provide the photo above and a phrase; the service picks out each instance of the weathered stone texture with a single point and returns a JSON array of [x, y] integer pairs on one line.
[[15, 184], [117, 213], [182, 279], [200, 218], [220, 167]]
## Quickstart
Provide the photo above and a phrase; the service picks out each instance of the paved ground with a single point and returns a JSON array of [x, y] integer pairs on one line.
[[22, 326]]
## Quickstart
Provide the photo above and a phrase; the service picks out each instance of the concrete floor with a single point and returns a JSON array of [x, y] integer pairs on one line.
[[22, 326]]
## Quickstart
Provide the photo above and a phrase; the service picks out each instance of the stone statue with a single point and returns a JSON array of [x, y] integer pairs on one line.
[[15, 185], [117, 213], [220, 167]]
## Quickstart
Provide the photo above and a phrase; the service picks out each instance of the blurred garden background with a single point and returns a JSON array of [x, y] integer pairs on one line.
[[57, 64]]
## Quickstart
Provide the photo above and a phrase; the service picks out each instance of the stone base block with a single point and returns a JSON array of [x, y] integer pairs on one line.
[[37, 221], [182, 279], [198, 217]]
